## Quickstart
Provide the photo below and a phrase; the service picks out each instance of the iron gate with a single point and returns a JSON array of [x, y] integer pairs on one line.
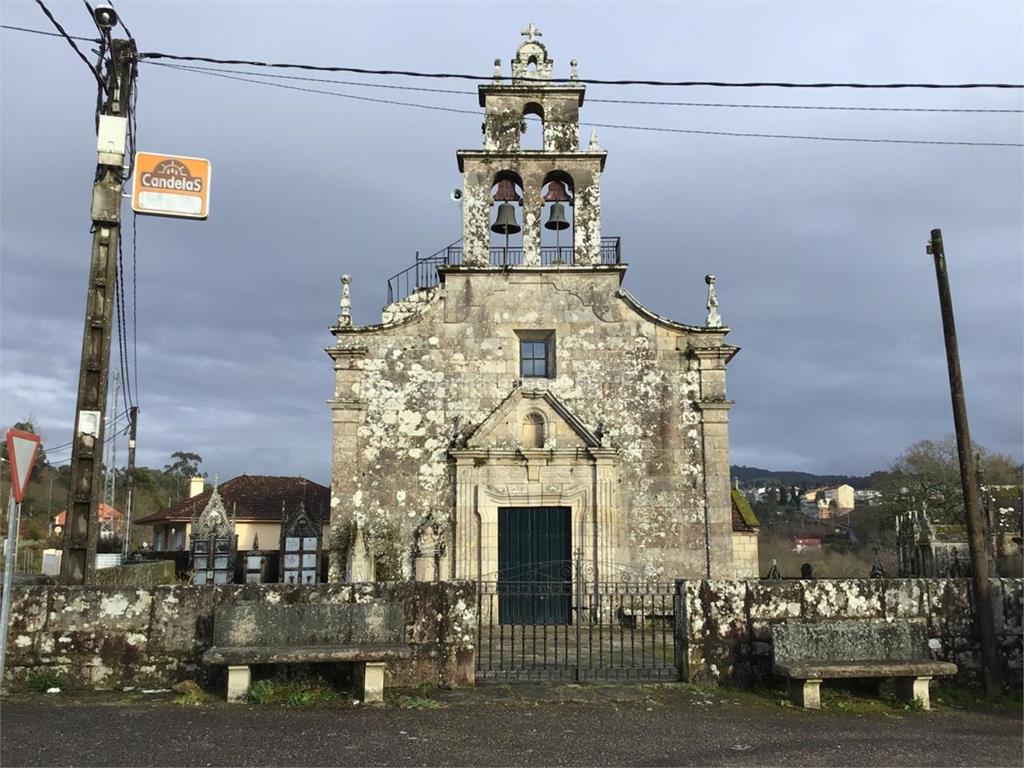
[[576, 629]]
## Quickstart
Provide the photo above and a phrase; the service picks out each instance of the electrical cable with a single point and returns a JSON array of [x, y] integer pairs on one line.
[[933, 142], [72, 44], [135, 306], [120, 20], [122, 328], [48, 34], [592, 100], [582, 80]]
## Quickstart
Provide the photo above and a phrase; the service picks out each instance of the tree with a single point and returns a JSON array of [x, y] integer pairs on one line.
[[185, 464], [928, 474]]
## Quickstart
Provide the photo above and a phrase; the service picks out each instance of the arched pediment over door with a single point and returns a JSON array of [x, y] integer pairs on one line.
[[532, 451]]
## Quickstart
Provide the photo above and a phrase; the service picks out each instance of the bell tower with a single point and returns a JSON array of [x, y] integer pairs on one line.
[[506, 187]]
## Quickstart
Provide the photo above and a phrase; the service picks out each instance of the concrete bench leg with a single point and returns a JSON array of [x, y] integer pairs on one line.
[[910, 688], [373, 682], [805, 693], [239, 679]]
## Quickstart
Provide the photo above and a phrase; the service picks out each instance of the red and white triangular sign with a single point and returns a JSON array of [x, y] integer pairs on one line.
[[22, 449]]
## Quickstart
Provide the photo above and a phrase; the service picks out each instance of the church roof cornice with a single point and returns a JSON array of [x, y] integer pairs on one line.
[[632, 302], [541, 88], [483, 154]]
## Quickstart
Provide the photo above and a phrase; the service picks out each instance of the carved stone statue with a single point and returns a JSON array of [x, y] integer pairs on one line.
[[714, 319]]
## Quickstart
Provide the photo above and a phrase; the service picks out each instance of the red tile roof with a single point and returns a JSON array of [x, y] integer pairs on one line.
[[103, 512], [252, 498]]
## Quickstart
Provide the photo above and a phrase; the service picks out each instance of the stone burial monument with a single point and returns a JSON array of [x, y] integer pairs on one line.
[[516, 406]]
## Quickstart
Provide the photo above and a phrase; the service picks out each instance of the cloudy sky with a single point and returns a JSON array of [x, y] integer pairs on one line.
[[818, 246]]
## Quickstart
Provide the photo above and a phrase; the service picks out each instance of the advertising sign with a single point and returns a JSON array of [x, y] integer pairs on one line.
[[171, 185]]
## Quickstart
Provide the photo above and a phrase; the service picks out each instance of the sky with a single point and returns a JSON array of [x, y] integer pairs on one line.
[[818, 246]]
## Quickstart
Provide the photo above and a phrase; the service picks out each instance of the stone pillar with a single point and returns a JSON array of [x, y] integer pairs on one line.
[[606, 511], [587, 222], [373, 682], [348, 413], [910, 688], [467, 527], [476, 220], [532, 210], [714, 429], [239, 679], [805, 693], [714, 440]]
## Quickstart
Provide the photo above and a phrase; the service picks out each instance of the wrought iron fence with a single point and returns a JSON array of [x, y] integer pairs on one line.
[[576, 630], [423, 274]]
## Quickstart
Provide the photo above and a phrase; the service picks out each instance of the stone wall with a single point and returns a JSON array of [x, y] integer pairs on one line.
[[110, 638], [724, 627], [744, 554]]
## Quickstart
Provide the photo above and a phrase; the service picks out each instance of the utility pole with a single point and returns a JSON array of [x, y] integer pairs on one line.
[[80, 535], [983, 615], [133, 422]]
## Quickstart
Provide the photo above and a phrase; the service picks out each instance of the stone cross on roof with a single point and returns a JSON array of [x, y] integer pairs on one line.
[[532, 32]]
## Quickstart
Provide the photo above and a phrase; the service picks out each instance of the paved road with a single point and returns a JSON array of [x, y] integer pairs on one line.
[[639, 727]]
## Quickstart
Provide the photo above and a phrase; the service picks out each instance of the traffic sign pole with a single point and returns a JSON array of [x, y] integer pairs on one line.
[[10, 555]]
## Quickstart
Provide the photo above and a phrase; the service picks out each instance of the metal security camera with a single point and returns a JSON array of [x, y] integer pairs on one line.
[[105, 16], [456, 194]]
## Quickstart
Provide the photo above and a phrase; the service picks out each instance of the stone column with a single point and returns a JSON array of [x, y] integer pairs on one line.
[[714, 429], [714, 437], [476, 220], [348, 413], [532, 210], [587, 222]]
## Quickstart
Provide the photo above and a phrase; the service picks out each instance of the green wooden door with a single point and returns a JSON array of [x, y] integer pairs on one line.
[[534, 565]]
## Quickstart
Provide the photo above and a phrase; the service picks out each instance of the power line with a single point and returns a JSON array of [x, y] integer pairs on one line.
[[590, 80], [71, 42], [48, 34], [639, 102], [135, 306], [613, 125]]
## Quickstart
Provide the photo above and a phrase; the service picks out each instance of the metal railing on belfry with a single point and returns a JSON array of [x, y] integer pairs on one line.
[[423, 274]]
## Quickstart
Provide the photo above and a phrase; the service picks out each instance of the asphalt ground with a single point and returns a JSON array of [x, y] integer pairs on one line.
[[670, 724]]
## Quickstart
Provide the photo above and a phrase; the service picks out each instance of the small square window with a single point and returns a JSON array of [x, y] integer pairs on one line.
[[535, 359]]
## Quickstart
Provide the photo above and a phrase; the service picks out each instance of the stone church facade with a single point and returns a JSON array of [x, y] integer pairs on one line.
[[517, 412]]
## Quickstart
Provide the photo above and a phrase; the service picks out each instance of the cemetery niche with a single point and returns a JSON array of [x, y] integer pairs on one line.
[[212, 544], [301, 539], [255, 563]]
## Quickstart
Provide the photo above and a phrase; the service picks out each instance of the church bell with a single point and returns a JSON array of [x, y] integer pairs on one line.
[[505, 221], [556, 220]]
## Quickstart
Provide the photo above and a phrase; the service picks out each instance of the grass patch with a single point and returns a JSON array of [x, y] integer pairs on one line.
[[41, 680], [948, 694], [292, 693]]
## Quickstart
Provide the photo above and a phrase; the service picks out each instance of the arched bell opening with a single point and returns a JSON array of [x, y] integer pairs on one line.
[[532, 127], [506, 237], [559, 219]]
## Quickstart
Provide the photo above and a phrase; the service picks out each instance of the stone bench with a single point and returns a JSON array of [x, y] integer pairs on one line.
[[808, 652], [370, 635]]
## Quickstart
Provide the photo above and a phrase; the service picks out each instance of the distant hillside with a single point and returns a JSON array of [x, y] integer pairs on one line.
[[756, 476]]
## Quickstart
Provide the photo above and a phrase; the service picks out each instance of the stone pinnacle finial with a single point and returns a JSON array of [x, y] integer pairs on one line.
[[714, 319], [593, 139], [574, 72], [345, 318], [532, 32], [497, 69]]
